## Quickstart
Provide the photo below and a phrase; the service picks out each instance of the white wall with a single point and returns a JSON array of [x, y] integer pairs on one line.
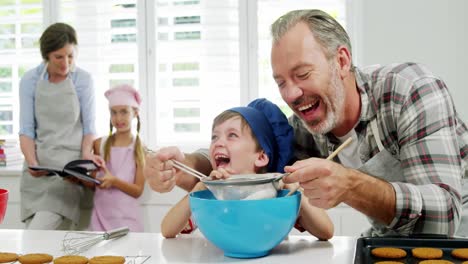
[[433, 32]]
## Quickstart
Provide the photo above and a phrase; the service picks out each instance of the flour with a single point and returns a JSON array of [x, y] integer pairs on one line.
[[262, 194], [245, 187]]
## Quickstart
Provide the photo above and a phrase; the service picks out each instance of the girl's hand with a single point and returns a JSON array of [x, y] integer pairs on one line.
[[221, 173], [107, 180]]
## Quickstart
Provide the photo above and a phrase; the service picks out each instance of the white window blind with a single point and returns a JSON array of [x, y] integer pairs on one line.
[[20, 28], [190, 59], [198, 68], [107, 44]]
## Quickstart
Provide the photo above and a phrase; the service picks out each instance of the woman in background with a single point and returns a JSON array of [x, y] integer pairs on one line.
[[57, 114]]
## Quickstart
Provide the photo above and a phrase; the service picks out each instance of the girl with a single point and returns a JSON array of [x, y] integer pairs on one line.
[[116, 198], [252, 139]]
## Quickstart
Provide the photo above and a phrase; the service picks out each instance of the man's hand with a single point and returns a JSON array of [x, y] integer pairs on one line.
[[325, 182], [160, 173], [290, 186]]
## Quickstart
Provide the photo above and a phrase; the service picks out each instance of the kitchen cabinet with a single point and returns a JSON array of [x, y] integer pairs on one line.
[[347, 221]]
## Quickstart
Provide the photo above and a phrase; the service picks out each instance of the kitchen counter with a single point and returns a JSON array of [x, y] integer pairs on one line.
[[346, 220], [194, 248]]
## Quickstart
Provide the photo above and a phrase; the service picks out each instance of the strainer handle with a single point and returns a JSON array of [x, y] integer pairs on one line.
[[115, 233]]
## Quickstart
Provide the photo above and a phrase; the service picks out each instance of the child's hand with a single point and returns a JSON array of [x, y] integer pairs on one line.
[[289, 186], [200, 186], [222, 173], [107, 180]]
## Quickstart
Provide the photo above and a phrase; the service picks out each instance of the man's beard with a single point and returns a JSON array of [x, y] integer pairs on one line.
[[334, 103]]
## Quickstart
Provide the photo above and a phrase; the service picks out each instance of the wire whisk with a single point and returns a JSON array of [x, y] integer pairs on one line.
[[78, 242]]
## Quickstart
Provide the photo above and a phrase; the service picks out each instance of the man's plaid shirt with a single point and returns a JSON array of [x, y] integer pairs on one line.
[[419, 126]]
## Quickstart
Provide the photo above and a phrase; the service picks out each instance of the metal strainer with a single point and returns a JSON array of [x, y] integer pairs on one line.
[[238, 186], [245, 186]]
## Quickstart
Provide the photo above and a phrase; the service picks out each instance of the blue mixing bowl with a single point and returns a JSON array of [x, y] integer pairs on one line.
[[245, 228]]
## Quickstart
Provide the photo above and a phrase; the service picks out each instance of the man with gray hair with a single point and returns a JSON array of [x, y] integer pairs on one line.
[[405, 167]]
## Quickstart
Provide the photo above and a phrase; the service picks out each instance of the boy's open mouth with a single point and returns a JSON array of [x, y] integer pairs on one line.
[[221, 160]]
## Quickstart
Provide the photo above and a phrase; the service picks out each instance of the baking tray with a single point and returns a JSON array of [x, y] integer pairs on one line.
[[364, 246]]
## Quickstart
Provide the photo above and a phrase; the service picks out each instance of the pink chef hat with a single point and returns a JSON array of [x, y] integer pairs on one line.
[[123, 94]]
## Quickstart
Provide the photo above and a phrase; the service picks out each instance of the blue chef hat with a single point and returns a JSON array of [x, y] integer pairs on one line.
[[272, 130]]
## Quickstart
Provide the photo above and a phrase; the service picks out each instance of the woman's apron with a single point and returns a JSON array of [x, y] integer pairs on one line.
[[59, 133]]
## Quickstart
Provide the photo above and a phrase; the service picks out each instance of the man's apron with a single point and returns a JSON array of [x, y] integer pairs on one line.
[[385, 166], [463, 228], [59, 133]]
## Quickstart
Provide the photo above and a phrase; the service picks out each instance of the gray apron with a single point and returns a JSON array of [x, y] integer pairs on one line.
[[463, 228], [59, 133], [384, 166]]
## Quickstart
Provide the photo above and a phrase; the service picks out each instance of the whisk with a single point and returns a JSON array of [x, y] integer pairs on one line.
[[77, 242]]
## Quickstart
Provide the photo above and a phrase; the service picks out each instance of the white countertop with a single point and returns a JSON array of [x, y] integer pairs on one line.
[[192, 248]]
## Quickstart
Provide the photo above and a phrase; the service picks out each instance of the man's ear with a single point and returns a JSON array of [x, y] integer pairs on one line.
[[343, 57], [262, 160]]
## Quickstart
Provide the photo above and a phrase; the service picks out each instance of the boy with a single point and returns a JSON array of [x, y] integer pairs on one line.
[[252, 139]]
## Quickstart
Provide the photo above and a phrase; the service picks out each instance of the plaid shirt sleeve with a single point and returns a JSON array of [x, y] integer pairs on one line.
[[425, 127]]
